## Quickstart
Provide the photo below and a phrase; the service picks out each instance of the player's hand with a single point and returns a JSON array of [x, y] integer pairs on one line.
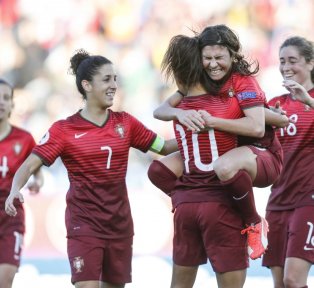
[[9, 203], [190, 119], [277, 108], [298, 92], [207, 118]]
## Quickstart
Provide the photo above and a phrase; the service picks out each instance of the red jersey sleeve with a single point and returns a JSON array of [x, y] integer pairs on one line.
[[142, 137], [51, 144], [248, 91]]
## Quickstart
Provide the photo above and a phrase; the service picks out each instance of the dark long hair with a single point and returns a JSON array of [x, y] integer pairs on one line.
[[84, 67], [182, 61], [224, 36], [305, 48]]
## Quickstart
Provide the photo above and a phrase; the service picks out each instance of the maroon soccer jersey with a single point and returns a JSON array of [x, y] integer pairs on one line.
[[199, 150], [96, 159], [249, 94], [14, 149], [295, 186]]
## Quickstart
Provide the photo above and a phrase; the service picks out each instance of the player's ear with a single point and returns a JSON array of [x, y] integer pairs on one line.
[[86, 85]]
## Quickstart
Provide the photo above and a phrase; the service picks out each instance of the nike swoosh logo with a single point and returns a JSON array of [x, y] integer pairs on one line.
[[76, 136]]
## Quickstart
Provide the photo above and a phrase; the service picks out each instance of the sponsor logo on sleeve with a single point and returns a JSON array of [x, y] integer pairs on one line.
[[247, 95]]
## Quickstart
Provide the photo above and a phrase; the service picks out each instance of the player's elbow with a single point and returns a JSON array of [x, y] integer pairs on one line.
[[259, 131]]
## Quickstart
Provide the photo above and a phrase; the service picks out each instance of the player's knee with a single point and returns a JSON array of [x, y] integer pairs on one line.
[[223, 169], [291, 282]]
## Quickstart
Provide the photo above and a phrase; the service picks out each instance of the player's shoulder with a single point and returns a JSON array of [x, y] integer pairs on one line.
[[281, 98], [21, 131], [239, 80], [120, 115]]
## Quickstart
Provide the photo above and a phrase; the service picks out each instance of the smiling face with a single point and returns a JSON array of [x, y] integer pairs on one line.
[[294, 66], [6, 101], [101, 90], [216, 61]]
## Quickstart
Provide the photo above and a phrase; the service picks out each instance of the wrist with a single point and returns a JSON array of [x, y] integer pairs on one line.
[[181, 93], [310, 102]]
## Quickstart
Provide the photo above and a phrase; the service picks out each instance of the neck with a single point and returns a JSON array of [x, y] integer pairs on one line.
[[5, 129], [196, 90], [308, 85], [98, 117]]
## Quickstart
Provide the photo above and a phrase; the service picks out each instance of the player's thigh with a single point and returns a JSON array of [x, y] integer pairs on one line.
[[225, 246], [241, 158], [301, 234], [277, 238], [86, 259], [173, 162], [269, 166], [11, 245], [188, 247]]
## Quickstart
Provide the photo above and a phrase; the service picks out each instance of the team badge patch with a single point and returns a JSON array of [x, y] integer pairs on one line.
[[246, 95], [231, 92], [120, 130], [17, 148], [78, 264]]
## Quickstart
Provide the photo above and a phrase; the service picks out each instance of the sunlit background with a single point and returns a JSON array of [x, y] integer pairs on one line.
[[38, 37]]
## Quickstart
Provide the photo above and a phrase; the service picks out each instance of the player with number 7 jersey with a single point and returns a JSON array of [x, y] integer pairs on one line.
[[94, 146]]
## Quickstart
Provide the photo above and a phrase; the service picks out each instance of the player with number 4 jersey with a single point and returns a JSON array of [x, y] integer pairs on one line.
[[15, 146]]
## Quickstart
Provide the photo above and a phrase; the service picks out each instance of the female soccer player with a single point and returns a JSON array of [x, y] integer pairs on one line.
[[258, 161], [94, 145], [206, 225], [15, 146], [290, 208]]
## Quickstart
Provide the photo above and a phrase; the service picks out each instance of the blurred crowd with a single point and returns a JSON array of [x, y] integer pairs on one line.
[[38, 37]]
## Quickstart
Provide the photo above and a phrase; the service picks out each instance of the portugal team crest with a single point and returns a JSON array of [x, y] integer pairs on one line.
[[120, 130], [230, 92], [78, 264], [17, 148]]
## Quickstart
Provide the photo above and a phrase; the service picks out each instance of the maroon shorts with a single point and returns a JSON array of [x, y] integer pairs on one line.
[[11, 248], [107, 260], [209, 230], [291, 234], [269, 166]]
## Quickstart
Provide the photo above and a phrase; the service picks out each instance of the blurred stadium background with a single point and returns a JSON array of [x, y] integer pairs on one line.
[[38, 37]]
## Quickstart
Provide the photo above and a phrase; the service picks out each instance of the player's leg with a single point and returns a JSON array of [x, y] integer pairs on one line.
[[116, 269], [296, 272], [227, 257], [10, 255], [300, 249], [233, 279], [279, 221], [7, 273], [277, 275], [164, 172], [188, 248], [107, 260], [236, 170], [108, 285], [183, 276]]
